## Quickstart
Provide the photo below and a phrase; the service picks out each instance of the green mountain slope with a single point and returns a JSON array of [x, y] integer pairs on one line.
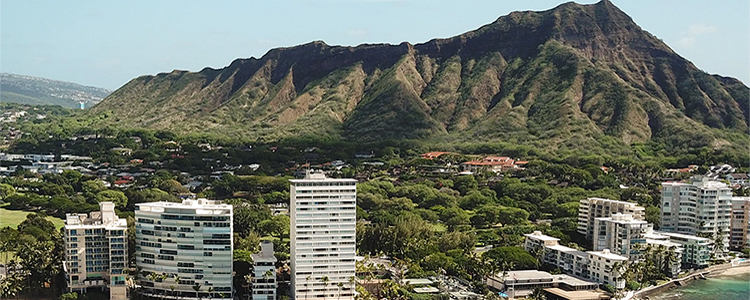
[[41, 91], [570, 77]]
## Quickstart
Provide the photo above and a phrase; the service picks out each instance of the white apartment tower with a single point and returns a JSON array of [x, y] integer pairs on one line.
[[264, 273], [96, 250], [739, 236], [323, 229], [181, 246], [593, 208], [620, 233], [698, 206]]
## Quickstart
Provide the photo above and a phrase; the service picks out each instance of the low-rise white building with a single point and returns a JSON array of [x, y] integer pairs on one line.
[[602, 268], [96, 251], [521, 283], [587, 265], [264, 273], [696, 250]]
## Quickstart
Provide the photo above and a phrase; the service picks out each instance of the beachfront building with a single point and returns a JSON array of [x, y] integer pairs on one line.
[[696, 250], [739, 236], [699, 206], [663, 243], [264, 273], [621, 234], [96, 251], [322, 233], [591, 208], [587, 265], [521, 283], [602, 269], [180, 246]]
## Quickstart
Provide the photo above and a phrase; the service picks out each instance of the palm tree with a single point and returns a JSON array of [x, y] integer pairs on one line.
[[340, 285], [538, 294], [325, 281], [248, 281], [352, 283], [176, 281], [307, 285], [210, 292], [197, 289]]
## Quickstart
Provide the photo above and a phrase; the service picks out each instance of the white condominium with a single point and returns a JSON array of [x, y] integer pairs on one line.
[[96, 251], [593, 208], [620, 233], [601, 269], [264, 273], [739, 236], [696, 250], [323, 225], [698, 206], [184, 246], [596, 266]]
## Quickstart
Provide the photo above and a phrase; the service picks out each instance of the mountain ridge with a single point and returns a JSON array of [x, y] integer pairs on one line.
[[571, 73], [26, 89]]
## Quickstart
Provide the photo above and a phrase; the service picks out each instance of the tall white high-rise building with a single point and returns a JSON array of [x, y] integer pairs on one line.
[[96, 251], [264, 273], [184, 246], [697, 206], [621, 234], [592, 208], [323, 228]]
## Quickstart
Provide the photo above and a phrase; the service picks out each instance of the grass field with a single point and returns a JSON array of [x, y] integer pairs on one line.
[[14, 217]]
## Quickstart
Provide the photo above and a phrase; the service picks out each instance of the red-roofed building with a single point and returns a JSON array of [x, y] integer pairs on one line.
[[432, 155], [490, 163]]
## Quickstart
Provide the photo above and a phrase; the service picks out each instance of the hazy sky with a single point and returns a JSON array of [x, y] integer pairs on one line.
[[107, 43]]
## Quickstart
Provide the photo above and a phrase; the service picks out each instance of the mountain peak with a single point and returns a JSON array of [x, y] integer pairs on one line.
[[572, 73]]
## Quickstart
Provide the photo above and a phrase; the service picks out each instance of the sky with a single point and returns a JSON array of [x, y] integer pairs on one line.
[[107, 43]]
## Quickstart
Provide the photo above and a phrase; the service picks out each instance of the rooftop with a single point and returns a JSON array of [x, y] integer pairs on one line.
[[318, 176], [577, 295], [614, 201], [683, 236], [189, 203], [623, 219], [540, 236], [562, 248], [417, 281], [607, 255], [266, 252]]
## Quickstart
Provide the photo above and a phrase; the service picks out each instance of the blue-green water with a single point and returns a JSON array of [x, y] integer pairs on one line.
[[734, 287]]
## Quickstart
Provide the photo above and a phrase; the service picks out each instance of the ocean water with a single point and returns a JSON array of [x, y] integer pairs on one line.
[[733, 287]]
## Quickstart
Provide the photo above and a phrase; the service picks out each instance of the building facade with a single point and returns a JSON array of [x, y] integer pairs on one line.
[[592, 208], [601, 268], [696, 250], [264, 273], [588, 265], [322, 233], [96, 250], [621, 234], [739, 236], [699, 206], [184, 246]]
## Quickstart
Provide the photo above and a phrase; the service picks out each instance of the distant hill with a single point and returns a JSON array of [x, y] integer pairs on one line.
[[41, 91], [576, 76]]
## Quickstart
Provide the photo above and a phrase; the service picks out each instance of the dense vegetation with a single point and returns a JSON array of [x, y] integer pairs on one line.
[[429, 222]]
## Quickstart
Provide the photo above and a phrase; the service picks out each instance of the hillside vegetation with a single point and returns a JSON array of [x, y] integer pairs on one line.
[[573, 77]]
